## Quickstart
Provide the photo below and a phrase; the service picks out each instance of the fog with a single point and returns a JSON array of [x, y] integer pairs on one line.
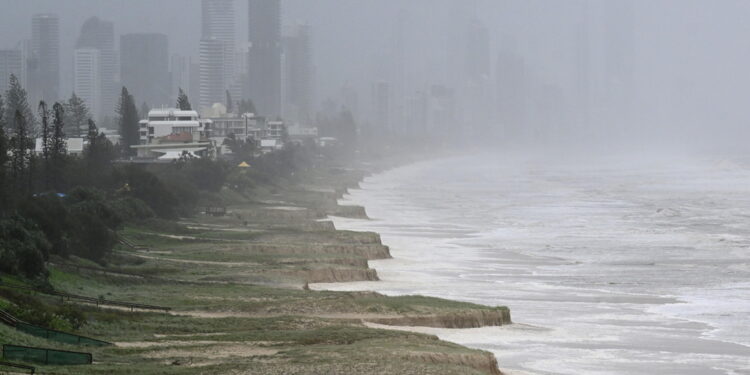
[[671, 73]]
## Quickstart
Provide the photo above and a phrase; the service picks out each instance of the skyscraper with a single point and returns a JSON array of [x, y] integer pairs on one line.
[[477, 54], [212, 74], [264, 56], [87, 78], [381, 107], [512, 91], [298, 76], [99, 35], [218, 20], [44, 83], [217, 46], [144, 68], [179, 72], [11, 62]]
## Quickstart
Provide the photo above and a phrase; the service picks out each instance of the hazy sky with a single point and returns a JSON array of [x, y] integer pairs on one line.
[[691, 56]]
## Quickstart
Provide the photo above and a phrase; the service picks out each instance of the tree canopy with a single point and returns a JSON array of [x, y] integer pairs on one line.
[[128, 114], [183, 102]]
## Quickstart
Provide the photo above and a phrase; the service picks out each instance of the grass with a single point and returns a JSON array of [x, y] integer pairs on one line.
[[287, 330]]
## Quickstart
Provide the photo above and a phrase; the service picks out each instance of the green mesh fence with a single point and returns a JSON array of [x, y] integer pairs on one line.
[[58, 336], [45, 356]]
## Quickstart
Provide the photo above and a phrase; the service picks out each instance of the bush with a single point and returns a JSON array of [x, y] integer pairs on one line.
[[22, 248], [51, 216], [131, 209], [145, 186], [93, 223]]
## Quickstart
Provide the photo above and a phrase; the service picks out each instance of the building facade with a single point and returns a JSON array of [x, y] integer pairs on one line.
[[144, 68], [264, 56], [44, 82], [11, 62], [100, 35], [87, 79], [217, 51], [298, 76]]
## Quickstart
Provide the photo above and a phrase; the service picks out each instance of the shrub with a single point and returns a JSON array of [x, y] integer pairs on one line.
[[22, 248]]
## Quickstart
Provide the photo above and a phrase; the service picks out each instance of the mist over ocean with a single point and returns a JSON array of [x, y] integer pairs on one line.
[[609, 266]]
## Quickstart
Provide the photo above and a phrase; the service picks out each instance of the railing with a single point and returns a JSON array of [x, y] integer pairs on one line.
[[129, 243], [8, 319], [96, 301], [31, 369]]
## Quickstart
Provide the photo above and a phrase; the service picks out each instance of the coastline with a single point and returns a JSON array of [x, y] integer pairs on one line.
[[423, 324], [237, 288]]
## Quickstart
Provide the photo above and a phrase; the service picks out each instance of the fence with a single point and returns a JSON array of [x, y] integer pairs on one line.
[[96, 301], [45, 356], [30, 369], [8, 319], [63, 337]]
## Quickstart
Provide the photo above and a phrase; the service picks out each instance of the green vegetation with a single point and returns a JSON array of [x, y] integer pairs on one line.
[[237, 284]]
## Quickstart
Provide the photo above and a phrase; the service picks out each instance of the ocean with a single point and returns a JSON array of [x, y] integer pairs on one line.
[[609, 265]]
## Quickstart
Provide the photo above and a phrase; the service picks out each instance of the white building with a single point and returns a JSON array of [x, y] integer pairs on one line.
[[171, 121], [87, 79], [169, 133], [74, 146], [217, 51], [214, 72], [275, 130]]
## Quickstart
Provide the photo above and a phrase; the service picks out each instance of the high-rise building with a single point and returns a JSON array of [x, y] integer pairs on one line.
[[212, 75], [100, 35], [477, 54], [217, 51], [298, 76], [11, 62], [179, 72], [87, 78], [144, 68], [512, 92], [44, 83], [218, 20], [381, 107], [264, 56]]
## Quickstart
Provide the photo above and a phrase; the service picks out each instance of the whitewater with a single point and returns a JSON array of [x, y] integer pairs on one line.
[[609, 265]]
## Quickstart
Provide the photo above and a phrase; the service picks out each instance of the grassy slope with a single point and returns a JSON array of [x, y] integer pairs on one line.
[[231, 316]]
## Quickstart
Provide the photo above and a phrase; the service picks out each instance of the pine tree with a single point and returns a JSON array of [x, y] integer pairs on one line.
[[46, 142], [21, 146], [183, 103], [128, 122], [57, 147], [98, 155], [16, 101], [230, 105], [46, 131], [76, 115], [4, 144]]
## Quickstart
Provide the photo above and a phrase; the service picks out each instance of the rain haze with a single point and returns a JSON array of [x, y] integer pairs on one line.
[[302, 185]]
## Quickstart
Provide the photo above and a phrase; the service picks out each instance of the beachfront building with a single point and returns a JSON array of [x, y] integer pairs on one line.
[[73, 146], [275, 130], [169, 134], [246, 126]]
